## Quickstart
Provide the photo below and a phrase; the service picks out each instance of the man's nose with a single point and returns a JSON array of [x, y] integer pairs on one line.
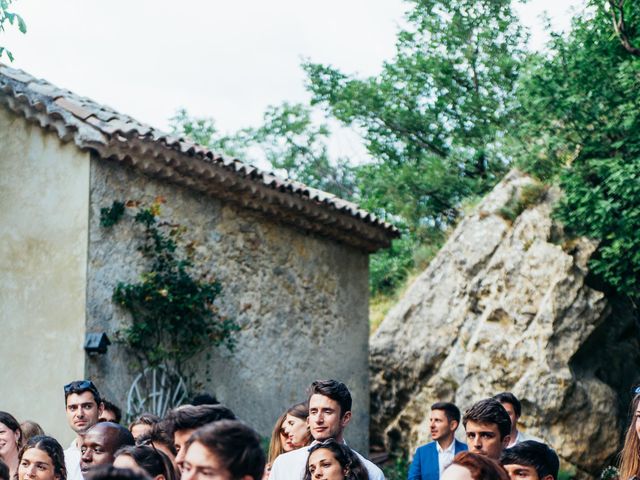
[[31, 471], [180, 458], [187, 475]]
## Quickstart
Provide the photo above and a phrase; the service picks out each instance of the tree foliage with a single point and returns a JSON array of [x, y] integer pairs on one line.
[[433, 120], [9, 17], [581, 125]]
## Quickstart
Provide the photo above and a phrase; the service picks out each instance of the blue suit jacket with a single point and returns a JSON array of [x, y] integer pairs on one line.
[[425, 461]]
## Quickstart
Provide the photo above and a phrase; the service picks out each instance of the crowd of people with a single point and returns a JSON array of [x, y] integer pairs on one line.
[[205, 441]]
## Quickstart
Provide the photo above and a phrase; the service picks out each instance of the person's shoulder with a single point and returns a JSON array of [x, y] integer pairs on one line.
[[523, 437], [460, 446], [286, 463], [375, 473], [426, 447]]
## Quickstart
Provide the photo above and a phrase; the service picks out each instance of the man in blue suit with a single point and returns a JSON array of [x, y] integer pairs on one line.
[[431, 459]]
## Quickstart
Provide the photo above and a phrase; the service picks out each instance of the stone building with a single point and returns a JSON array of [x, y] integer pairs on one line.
[[293, 261]]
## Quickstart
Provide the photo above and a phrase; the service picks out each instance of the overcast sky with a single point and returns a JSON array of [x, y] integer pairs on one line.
[[219, 58]]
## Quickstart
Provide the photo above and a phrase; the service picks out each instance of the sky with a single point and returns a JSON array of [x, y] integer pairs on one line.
[[217, 58]]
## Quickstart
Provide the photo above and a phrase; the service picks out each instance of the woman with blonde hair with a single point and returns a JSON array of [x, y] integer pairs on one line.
[[630, 455], [289, 433]]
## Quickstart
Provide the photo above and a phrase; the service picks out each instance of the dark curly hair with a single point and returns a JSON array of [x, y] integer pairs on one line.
[[348, 460], [51, 446]]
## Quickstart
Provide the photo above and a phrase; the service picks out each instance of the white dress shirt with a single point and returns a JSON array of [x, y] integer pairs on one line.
[[292, 465], [72, 461], [445, 456]]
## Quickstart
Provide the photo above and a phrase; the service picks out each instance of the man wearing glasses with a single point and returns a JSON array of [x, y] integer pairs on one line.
[[83, 406]]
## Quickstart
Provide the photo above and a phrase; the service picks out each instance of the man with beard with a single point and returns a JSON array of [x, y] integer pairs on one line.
[[431, 459], [83, 406]]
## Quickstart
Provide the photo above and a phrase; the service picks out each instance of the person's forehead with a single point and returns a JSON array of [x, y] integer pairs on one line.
[[37, 455], [199, 455], [437, 413], [508, 407], [514, 467], [479, 427], [80, 398], [100, 434], [183, 435], [318, 400], [320, 454]]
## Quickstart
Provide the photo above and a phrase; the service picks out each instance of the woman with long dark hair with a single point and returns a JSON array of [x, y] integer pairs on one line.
[[42, 458], [11, 441], [331, 460]]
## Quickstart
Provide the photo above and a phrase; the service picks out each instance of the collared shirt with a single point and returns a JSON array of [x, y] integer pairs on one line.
[[72, 461], [445, 456], [292, 465]]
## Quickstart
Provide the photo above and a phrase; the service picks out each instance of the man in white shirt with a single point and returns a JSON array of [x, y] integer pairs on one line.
[[83, 406], [431, 459], [329, 415], [514, 408]]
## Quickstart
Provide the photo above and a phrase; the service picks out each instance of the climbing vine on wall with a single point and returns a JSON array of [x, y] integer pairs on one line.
[[172, 307]]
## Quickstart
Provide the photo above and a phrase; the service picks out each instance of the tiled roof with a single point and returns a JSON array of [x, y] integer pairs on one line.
[[115, 136]]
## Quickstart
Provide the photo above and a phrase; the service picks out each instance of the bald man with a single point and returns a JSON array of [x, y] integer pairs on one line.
[[101, 442]]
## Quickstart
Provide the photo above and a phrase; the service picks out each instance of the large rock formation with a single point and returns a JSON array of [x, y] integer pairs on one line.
[[505, 306]]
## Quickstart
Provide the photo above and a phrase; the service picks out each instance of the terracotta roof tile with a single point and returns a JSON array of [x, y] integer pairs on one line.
[[112, 134]]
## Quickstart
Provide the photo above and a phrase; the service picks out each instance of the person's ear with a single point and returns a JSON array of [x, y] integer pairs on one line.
[[346, 418], [247, 477], [506, 440], [159, 477], [454, 425], [100, 408], [18, 436], [548, 477]]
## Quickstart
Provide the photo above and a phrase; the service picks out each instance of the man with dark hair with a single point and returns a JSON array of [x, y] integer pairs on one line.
[[109, 472], [230, 447], [100, 444], [158, 438], [204, 399], [84, 407], [182, 421], [110, 413], [329, 414], [530, 460], [487, 427], [431, 459], [514, 408]]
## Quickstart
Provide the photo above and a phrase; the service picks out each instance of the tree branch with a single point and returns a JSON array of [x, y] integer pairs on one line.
[[617, 15]]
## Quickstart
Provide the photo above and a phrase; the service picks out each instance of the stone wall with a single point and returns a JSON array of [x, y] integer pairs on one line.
[[508, 305], [302, 302], [44, 209]]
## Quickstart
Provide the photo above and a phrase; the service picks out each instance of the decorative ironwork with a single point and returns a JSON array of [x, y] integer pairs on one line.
[[155, 390]]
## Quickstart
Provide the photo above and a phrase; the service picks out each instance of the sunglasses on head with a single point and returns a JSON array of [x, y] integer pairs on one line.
[[80, 385]]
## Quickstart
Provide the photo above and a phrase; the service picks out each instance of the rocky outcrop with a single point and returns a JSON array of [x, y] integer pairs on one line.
[[505, 306]]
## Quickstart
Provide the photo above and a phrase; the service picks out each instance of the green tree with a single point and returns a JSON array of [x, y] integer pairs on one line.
[[580, 126], [435, 117], [9, 17]]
